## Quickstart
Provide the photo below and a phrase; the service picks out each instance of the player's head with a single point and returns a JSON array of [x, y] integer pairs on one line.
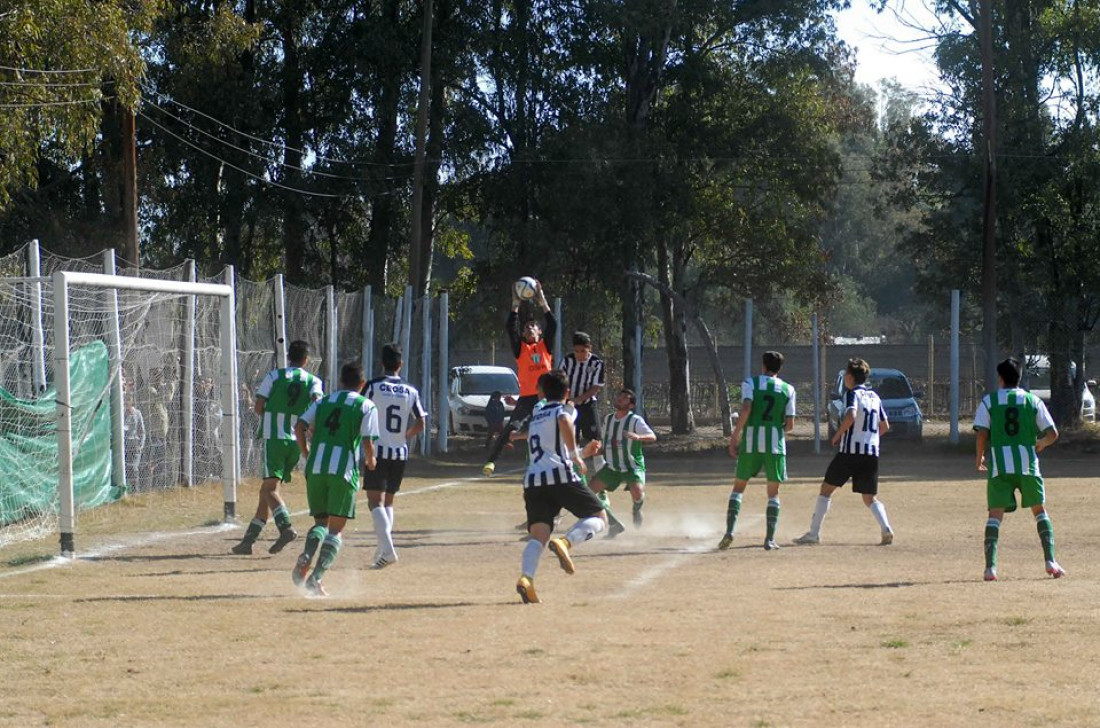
[[351, 376], [532, 332], [392, 359], [773, 362], [297, 354], [495, 395], [553, 385], [858, 370], [1009, 372], [582, 345], [625, 399]]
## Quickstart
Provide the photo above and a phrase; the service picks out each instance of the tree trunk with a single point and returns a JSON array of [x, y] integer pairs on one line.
[[294, 222], [436, 112], [676, 348], [383, 204]]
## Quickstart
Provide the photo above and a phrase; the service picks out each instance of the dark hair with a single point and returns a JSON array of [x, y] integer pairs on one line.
[[773, 361], [859, 370], [392, 358], [581, 339], [1009, 371], [496, 394], [351, 375], [298, 352], [554, 385], [630, 393]]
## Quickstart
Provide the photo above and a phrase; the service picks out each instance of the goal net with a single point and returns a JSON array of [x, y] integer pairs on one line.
[[110, 386]]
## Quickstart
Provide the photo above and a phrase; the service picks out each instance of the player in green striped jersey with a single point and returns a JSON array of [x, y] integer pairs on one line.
[[283, 395], [1016, 426], [759, 442], [344, 429], [624, 432]]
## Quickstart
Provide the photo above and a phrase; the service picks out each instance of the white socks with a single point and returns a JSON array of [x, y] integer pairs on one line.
[[584, 529], [532, 552], [820, 509], [389, 518], [598, 462], [879, 512], [382, 532]]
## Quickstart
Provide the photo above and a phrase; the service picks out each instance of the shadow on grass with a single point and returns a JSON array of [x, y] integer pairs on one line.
[[401, 607], [884, 585], [178, 598]]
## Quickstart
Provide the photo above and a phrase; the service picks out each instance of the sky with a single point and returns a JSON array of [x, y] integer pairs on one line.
[[885, 47]]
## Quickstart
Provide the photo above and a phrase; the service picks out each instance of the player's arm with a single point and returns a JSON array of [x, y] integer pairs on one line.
[[368, 431], [260, 405], [788, 415], [594, 447], [565, 427], [1047, 439], [512, 327], [981, 443], [300, 434], [1045, 425], [517, 435], [262, 393], [735, 438], [849, 417], [645, 435], [588, 393], [420, 419], [788, 424]]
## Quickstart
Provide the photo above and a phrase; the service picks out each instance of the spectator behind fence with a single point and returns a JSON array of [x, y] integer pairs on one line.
[[494, 418]]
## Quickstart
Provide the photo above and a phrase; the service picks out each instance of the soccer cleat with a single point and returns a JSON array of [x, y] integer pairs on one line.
[[560, 547], [244, 548], [522, 526], [285, 537], [383, 561], [315, 588], [488, 469], [808, 539], [1055, 570], [990, 574], [725, 542], [301, 570], [887, 538], [771, 546], [525, 587], [614, 529]]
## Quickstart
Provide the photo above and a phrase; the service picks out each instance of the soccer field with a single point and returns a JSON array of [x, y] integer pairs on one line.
[[655, 628]]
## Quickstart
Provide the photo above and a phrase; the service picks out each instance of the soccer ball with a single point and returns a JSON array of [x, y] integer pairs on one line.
[[525, 288]]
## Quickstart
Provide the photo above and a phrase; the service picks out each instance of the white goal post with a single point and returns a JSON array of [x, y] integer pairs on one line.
[[62, 281]]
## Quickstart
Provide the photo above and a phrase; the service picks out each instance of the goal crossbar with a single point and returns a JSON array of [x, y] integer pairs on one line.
[[62, 280]]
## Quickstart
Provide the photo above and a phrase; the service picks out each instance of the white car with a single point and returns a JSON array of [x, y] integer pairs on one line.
[[1037, 380], [471, 387]]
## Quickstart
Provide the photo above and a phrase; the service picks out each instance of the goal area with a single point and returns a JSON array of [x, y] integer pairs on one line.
[[111, 387]]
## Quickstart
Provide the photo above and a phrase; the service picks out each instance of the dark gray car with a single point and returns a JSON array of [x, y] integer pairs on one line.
[[898, 399]]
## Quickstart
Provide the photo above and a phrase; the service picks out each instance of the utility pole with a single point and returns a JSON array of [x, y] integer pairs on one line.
[[129, 188], [416, 235], [989, 215]]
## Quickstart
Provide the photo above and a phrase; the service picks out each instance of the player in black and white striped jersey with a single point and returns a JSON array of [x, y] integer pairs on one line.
[[857, 438], [553, 482], [401, 417], [584, 371]]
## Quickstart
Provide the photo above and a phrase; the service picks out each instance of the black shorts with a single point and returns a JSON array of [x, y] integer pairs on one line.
[[861, 469], [386, 476], [523, 409], [588, 422], [544, 502]]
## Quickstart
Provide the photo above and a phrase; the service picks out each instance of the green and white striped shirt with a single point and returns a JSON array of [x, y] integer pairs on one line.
[[340, 422], [772, 403], [287, 394], [1015, 420], [623, 455]]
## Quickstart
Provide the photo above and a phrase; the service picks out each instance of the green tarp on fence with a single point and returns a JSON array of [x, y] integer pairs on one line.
[[28, 442]]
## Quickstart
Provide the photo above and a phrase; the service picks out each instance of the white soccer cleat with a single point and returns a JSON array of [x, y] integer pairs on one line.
[[990, 574], [383, 561], [887, 538], [769, 546], [808, 539], [1055, 570]]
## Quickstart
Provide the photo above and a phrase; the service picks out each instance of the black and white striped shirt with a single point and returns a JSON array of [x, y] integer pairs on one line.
[[398, 403], [582, 375], [548, 461], [862, 438]]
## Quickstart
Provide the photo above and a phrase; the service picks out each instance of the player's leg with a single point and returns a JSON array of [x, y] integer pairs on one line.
[[602, 483], [1033, 496], [836, 475], [636, 483], [286, 456], [540, 517], [341, 508], [748, 465], [524, 407], [579, 500], [259, 520], [378, 516], [771, 515], [865, 482], [992, 535]]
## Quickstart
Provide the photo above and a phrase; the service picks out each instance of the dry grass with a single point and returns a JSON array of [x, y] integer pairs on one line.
[[655, 628]]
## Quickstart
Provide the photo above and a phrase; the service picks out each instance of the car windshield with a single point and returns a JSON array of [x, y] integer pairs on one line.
[[891, 386], [487, 383]]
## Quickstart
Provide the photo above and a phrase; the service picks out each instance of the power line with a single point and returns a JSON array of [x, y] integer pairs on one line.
[[51, 84], [267, 159], [41, 104], [261, 140], [59, 71], [188, 142]]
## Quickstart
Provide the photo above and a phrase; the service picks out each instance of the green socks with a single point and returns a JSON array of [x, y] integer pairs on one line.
[[253, 531], [606, 503], [638, 505], [992, 533], [282, 517], [316, 535], [732, 511], [772, 517], [329, 549], [1046, 535]]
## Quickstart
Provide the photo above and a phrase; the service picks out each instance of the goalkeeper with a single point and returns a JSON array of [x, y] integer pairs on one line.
[[281, 399]]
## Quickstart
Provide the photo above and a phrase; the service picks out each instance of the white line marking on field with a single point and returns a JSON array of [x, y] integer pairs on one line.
[[652, 573]]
